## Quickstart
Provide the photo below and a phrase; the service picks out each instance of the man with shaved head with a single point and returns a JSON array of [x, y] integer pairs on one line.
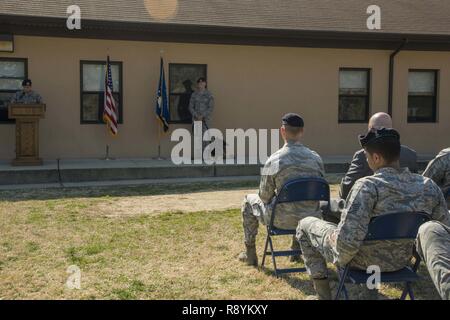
[[359, 167]]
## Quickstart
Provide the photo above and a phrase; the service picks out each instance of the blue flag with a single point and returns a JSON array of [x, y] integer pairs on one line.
[[162, 104]]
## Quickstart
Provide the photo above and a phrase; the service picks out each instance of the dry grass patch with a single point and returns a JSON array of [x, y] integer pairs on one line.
[[170, 255]]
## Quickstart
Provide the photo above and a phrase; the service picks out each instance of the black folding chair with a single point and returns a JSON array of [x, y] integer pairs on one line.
[[297, 190], [392, 226]]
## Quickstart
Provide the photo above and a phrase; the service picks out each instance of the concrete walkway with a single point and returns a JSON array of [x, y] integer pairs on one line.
[[97, 172]]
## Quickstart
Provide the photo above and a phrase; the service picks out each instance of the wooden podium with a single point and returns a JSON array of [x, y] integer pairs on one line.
[[27, 132]]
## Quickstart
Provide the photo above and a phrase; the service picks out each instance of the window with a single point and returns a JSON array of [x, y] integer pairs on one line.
[[422, 94], [182, 83], [354, 95], [93, 87], [12, 73]]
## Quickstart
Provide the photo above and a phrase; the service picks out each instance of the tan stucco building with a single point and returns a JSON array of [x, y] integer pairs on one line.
[[255, 73]]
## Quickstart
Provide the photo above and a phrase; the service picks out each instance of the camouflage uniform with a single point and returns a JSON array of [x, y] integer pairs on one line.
[[26, 98], [439, 170], [359, 168], [201, 105], [433, 245], [292, 161], [389, 190]]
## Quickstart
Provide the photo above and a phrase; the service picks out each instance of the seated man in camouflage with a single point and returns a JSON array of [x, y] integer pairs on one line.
[[433, 245], [439, 170], [292, 161], [359, 168], [389, 190]]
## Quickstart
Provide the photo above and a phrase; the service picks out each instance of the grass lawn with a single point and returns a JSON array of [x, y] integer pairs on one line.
[[166, 255]]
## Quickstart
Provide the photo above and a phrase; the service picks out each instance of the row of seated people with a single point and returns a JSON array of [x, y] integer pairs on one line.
[[382, 179]]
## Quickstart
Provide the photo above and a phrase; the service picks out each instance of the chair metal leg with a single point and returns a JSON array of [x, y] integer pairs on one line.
[[410, 291], [265, 250], [273, 257], [342, 278]]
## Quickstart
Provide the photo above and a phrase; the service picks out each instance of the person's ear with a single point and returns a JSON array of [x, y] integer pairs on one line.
[[283, 132]]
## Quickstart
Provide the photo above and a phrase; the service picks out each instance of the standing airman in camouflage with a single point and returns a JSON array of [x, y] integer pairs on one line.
[[293, 160], [389, 190], [26, 95], [433, 245], [201, 104], [439, 170]]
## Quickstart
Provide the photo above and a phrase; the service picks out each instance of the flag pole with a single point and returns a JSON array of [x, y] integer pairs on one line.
[[106, 158], [161, 53], [107, 125]]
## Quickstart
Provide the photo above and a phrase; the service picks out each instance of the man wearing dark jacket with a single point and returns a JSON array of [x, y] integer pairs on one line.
[[359, 167]]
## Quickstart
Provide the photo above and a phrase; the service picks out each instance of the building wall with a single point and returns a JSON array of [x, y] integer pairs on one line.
[[253, 87]]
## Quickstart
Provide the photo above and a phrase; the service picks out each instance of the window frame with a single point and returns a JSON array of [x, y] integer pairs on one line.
[[97, 62], [25, 61], [368, 96], [435, 97], [179, 94]]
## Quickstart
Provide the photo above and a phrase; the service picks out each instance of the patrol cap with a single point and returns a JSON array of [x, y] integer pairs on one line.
[[293, 120], [378, 135], [26, 82]]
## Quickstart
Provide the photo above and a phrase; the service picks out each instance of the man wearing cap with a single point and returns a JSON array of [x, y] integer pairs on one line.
[[293, 160], [201, 104], [359, 167], [27, 95], [390, 189], [439, 170]]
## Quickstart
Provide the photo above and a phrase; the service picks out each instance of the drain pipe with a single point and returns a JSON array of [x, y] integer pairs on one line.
[[391, 74]]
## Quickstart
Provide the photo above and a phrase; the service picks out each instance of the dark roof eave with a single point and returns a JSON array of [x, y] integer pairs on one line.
[[165, 32]]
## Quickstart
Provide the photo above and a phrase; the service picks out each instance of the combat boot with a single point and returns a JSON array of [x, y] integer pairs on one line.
[[295, 246], [249, 256], [322, 287]]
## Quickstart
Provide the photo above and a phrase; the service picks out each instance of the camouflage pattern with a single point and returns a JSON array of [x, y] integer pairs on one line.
[[292, 161], [389, 190], [201, 105], [359, 168], [26, 98], [433, 245], [439, 170]]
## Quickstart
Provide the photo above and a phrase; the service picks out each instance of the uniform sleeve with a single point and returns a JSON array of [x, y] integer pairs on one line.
[[267, 185], [210, 108], [435, 170], [355, 219], [357, 170], [440, 211], [39, 98], [191, 107]]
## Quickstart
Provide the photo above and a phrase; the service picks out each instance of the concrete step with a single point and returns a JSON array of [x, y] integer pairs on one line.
[[74, 171]]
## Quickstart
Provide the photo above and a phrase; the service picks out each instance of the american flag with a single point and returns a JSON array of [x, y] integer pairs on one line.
[[110, 109]]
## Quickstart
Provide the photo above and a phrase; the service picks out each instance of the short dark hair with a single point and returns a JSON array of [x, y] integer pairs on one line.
[[292, 130], [202, 79], [26, 82], [388, 147]]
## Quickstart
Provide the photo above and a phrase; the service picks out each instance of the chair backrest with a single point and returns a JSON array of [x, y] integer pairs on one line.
[[395, 226], [302, 189]]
